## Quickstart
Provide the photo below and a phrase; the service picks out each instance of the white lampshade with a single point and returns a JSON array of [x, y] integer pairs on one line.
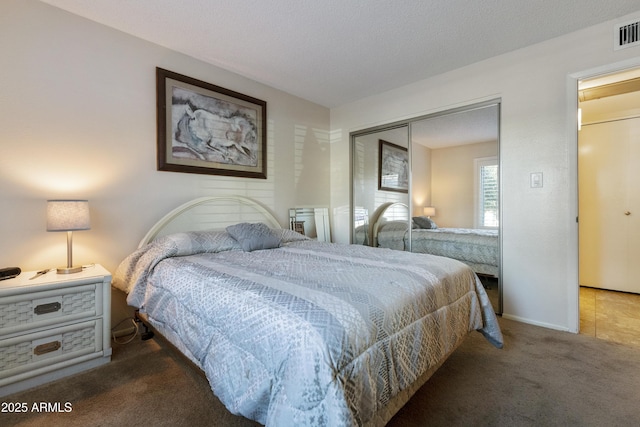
[[429, 211], [68, 215]]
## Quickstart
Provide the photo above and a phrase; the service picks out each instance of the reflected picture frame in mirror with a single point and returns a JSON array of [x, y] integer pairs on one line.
[[393, 167]]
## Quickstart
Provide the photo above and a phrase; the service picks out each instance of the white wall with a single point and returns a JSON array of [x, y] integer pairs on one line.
[[421, 178], [537, 89], [78, 120]]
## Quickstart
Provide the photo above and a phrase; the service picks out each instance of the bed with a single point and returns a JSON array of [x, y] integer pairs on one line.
[[477, 248], [291, 331]]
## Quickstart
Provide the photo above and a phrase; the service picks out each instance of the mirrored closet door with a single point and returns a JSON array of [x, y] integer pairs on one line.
[[380, 177], [449, 203]]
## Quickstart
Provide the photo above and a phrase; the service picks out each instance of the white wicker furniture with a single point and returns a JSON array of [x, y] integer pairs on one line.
[[52, 326], [210, 213]]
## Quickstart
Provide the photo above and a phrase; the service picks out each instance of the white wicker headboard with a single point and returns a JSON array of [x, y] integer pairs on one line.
[[387, 212], [210, 213]]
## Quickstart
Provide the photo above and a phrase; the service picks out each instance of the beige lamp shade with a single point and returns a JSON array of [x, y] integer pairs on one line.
[[68, 215], [429, 211]]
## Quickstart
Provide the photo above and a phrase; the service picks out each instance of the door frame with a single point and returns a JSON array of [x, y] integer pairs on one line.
[[573, 295]]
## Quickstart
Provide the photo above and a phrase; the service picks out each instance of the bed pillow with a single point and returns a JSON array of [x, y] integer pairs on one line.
[[394, 226], [253, 237], [288, 236], [424, 222]]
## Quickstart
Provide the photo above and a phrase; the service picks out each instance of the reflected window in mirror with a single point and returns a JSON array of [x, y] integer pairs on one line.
[[361, 224], [487, 192]]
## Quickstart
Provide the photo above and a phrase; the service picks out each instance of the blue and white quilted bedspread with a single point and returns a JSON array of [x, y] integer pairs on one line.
[[478, 248], [308, 333]]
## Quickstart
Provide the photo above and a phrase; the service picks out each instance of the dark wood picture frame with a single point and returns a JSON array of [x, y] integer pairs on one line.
[[298, 226], [393, 167], [207, 129]]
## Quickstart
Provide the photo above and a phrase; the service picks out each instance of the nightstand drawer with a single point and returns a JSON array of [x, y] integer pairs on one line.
[[32, 310], [52, 326], [30, 352]]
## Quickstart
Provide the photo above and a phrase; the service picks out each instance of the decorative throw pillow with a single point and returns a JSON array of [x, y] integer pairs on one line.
[[424, 222], [254, 237], [287, 236], [394, 226]]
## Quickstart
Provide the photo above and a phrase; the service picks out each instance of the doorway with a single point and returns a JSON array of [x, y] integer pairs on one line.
[[609, 206]]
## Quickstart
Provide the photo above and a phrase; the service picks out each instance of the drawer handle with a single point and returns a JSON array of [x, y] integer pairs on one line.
[[47, 308], [47, 348]]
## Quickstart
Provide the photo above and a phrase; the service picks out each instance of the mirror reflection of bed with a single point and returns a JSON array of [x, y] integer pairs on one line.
[[454, 169], [477, 248]]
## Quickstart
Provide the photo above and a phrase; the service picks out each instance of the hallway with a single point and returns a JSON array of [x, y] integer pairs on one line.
[[609, 315]]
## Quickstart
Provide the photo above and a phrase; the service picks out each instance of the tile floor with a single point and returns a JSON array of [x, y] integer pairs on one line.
[[609, 315]]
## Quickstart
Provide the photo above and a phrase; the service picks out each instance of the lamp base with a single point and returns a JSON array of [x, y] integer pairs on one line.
[[69, 270]]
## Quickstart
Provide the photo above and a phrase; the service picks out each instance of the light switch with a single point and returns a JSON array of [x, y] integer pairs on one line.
[[536, 180]]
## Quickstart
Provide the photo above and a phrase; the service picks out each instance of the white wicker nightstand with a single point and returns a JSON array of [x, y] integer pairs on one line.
[[53, 326]]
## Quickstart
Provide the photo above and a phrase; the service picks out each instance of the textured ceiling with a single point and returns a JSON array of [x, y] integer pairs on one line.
[[461, 128], [336, 51]]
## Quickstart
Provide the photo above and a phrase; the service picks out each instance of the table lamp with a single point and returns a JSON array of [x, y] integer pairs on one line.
[[429, 211], [69, 216]]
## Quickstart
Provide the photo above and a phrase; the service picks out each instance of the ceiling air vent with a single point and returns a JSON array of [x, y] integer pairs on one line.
[[626, 35]]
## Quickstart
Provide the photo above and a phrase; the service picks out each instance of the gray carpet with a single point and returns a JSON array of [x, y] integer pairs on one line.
[[540, 378]]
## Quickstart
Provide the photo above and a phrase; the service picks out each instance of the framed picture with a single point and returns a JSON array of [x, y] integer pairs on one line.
[[393, 167], [298, 226], [203, 128]]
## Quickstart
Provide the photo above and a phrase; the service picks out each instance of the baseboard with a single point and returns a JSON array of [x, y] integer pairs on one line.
[[536, 323]]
